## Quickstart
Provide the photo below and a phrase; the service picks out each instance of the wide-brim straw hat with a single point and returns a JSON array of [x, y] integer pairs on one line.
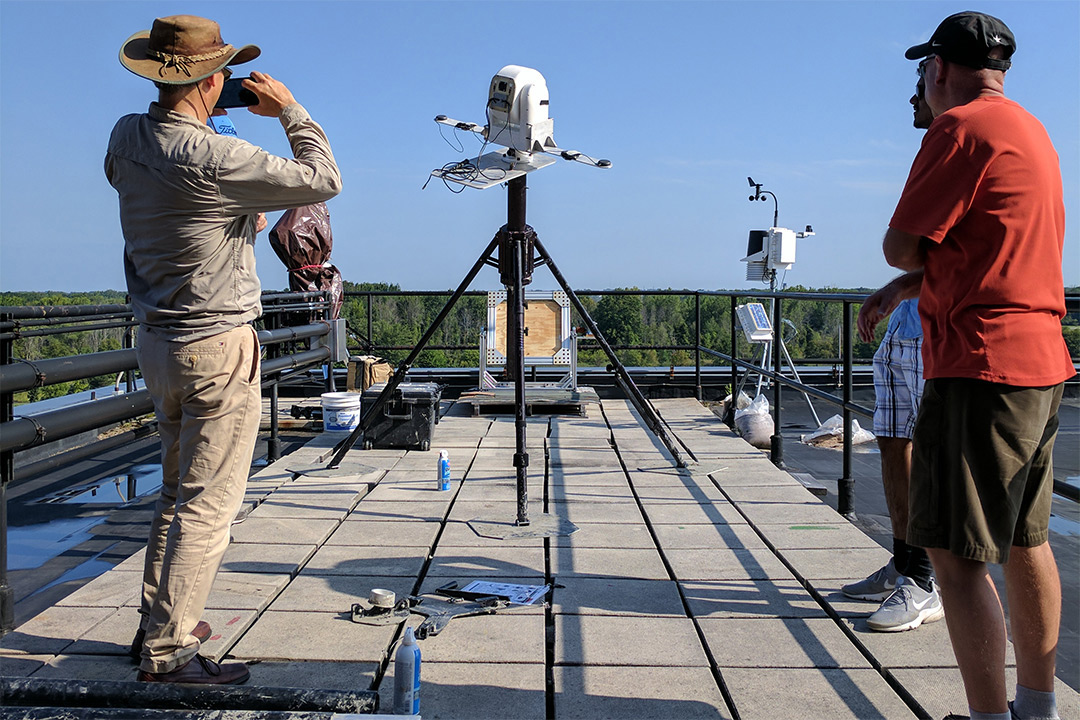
[[181, 49]]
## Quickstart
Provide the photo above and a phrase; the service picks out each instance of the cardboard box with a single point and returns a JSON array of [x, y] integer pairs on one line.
[[365, 371]]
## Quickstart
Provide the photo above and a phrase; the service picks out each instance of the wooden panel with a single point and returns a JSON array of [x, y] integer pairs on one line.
[[543, 318]]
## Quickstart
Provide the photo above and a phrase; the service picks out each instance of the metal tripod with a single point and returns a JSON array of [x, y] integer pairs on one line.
[[516, 243]]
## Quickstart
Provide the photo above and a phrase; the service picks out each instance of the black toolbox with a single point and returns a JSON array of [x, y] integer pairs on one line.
[[408, 418]]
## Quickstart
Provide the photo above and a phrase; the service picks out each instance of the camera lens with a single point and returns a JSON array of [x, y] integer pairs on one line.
[[502, 87]]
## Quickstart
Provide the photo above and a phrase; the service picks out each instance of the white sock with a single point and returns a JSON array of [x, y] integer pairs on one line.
[[1034, 704]]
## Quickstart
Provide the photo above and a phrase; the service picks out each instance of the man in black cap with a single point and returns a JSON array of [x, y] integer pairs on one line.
[[982, 216], [190, 204]]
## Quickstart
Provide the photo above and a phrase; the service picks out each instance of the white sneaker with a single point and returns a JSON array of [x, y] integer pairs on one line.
[[907, 608]]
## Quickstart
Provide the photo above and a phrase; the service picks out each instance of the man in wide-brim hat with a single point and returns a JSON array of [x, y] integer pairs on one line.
[[190, 205]]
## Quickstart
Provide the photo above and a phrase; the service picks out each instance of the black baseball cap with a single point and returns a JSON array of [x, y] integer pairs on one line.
[[966, 39]]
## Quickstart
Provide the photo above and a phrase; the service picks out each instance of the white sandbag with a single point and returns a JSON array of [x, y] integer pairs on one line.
[[831, 433], [754, 423]]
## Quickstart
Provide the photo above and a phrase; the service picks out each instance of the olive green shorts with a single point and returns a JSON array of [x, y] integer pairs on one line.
[[982, 475]]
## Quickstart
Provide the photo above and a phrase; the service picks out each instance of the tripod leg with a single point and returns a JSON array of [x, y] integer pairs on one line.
[[399, 375], [648, 413], [783, 346]]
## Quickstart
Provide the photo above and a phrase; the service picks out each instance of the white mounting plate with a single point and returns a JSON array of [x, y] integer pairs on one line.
[[494, 169]]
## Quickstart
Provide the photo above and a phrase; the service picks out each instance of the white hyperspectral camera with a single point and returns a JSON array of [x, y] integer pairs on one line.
[[517, 119], [517, 110]]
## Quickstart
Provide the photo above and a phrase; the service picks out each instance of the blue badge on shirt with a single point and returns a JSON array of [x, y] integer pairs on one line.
[[222, 125]]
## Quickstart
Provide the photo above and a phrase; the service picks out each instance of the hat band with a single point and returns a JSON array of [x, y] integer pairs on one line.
[[183, 63]]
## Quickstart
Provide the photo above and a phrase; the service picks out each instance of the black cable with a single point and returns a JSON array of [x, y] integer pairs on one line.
[[460, 147]]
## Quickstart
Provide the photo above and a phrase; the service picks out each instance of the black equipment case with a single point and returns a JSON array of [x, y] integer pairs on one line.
[[407, 420]]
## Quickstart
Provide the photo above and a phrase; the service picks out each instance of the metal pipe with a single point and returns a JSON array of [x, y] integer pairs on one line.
[[64, 330], [273, 444], [305, 359], [298, 295], [23, 375], [734, 362], [515, 232], [298, 332], [845, 502], [370, 332], [23, 432], [45, 322], [697, 345], [7, 474], [776, 445], [22, 312], [33, 692]]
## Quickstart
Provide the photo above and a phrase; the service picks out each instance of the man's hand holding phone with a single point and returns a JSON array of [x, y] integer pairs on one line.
[[273, 95]]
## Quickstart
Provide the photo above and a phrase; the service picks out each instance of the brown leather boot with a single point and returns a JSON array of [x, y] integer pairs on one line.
[[201, 632], [201, 670]]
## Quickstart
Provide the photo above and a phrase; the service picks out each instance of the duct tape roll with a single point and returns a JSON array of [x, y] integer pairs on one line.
[[381, 598]]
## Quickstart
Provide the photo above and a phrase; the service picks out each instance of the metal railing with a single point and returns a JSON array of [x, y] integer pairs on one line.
[[281, 341]]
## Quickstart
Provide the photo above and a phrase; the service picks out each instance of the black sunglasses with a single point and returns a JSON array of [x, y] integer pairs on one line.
[[921, 70], [226, 72]]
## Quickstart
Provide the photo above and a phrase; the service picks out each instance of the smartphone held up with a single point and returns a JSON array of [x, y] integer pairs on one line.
[[234, 94]]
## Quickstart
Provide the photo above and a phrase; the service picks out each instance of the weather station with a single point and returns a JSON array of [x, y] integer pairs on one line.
[[767, 253]]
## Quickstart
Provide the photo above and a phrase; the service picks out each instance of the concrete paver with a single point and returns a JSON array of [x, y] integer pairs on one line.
[[582, 595], [749, 598], [626, 640], [362, 560], [391, 533], [337, 593], [649, 693], [476, 691], [328, 636], [812, 642], [798, 693]]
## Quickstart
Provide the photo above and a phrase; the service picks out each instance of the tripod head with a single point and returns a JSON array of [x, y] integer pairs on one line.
[[517, 119]]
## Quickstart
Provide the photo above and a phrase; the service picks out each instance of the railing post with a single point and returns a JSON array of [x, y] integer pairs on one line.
[[845, 503], [7, 473], [129, 342], [330, 386], [273, 444], [370, 337], [734, 365], [697, 344], [776, 444]]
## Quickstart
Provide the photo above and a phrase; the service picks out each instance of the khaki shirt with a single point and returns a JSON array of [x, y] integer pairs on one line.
[[188, 203]]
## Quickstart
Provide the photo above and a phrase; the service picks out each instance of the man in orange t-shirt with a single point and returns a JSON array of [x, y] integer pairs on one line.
[[982, 217]]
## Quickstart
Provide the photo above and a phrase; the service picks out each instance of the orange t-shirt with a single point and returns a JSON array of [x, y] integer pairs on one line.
[[985, 189]]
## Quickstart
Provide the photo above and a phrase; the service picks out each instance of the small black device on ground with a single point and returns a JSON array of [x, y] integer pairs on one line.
[[234, 94]]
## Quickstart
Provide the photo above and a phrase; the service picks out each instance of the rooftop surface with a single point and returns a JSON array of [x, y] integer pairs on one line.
[[707, 592]]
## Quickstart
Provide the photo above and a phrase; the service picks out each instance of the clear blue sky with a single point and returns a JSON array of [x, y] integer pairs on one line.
[[686, 98]]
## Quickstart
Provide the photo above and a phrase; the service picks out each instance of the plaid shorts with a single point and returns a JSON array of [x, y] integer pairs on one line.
[[898, 386]]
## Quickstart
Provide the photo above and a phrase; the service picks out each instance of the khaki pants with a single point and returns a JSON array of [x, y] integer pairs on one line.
[[207, 401]]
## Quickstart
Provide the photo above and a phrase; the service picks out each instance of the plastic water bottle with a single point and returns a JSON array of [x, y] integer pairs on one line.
[[444, 470], [407, 676]]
